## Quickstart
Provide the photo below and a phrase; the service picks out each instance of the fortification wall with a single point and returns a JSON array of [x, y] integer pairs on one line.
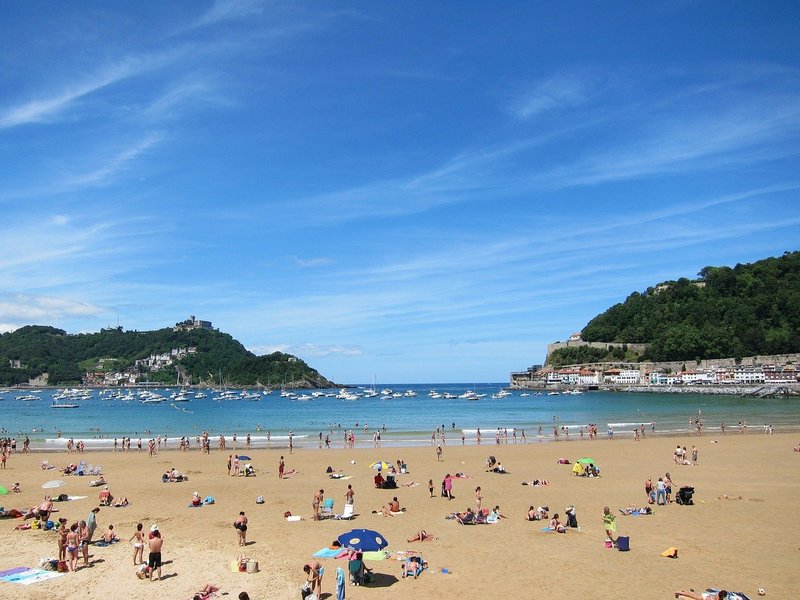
[[601, 345]]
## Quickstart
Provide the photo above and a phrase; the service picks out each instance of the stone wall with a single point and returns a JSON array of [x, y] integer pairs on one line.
[[602, 345]]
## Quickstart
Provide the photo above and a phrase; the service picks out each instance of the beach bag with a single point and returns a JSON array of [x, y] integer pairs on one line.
[[623, 543], [329, 470], [208, 500], [260, 500]]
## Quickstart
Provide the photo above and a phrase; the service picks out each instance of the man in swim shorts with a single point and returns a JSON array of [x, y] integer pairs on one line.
[[154, 558]]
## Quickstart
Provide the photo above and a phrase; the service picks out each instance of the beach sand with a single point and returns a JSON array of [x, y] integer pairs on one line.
[[737, 544]]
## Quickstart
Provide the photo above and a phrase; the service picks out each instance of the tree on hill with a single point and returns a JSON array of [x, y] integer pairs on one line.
[[741, 311]]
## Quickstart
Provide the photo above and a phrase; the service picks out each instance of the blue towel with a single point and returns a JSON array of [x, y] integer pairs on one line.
[[327, 553]]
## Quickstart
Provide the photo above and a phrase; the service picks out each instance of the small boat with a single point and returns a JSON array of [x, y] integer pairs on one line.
[[27, 397], [57, 405]]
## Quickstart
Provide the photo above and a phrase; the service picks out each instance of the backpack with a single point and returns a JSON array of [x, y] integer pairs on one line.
[[623, 543]]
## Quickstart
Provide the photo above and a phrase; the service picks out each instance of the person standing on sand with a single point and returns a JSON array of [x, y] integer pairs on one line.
[[85, 536], [439, 452], [240, 524], [348, 495], [230, 463], [281, 468], [648, 487], [62, 532], [430, 486], [478, 499], [694, 455], [235, 465], [668, 487], [448, 486], [316, 502], [91, 521], [73, 547], [609, 523], [155, 543], [138, 545]]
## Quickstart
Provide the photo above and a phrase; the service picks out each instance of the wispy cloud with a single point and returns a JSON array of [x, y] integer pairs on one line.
[[313, 262], [115, 165], [51, 104], [226, 10], [565, 91]]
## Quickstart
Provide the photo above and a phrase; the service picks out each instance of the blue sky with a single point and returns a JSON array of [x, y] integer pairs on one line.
[[413, 191]]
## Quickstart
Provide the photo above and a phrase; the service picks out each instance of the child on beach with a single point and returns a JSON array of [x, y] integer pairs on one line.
[[609, 523], [430, 487]]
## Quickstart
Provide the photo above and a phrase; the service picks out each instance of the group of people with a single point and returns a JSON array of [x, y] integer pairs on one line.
[[681, 457], [661, 492]]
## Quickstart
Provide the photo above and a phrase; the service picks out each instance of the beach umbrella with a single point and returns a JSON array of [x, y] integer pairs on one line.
[[243, 457], [52, 484], [380, 465], [586, 461], [365, 540]]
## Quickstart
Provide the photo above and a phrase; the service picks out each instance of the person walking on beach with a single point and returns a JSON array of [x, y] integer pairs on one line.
[[155, 543], [439, 452], [281, 468], [694, 455], [430, 486], [240, 524], [138, 545], [448, 486], [230, 463]]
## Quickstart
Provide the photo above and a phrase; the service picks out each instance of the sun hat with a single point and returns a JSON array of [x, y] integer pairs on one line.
[[154, 527]]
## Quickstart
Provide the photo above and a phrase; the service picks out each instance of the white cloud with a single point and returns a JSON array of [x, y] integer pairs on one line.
[[44, 310], [313, 262], [554, 93]]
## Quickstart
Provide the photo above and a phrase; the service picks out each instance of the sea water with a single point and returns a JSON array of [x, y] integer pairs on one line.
[[407, 420]]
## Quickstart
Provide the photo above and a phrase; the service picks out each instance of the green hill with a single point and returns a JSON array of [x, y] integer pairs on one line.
[[746, 310], [32, 351]]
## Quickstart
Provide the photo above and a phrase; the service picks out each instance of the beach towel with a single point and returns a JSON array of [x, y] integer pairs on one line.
[[340, 587], [76, 497], [671, 552], [374, 555], [294, 518], [27, 576], [327, 553], [103, 543]]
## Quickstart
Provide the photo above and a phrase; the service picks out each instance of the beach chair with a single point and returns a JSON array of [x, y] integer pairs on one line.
[[327, 508], [348, 512]]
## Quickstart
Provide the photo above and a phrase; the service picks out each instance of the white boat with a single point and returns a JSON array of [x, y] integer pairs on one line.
[[154, 399], [57, 405], [27, 397]]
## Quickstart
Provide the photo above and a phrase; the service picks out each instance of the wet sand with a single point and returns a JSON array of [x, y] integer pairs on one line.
[[737, 544]]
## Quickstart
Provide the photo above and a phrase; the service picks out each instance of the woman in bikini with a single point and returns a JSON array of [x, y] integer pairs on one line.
[[138, 545], [73, 546], [62, 532], [420, 536]]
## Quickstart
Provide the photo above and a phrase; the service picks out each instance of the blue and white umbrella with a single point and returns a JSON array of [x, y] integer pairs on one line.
[[365, 540]]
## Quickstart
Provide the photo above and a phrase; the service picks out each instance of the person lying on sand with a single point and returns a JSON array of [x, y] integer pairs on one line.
[[420, 536], [720, 595], [634, 510], [205, 592], [536, 482]]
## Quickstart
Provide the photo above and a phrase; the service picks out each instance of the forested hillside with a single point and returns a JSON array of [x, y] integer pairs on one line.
[[746, 310], [66, 357]]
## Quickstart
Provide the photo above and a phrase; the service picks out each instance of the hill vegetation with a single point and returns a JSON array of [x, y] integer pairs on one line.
[[30, 352], [746, 310]]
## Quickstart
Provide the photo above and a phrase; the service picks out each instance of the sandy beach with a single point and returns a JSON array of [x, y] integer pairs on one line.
[[739, 544]]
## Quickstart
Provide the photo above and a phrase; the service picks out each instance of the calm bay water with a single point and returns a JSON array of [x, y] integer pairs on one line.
[[408, 420]]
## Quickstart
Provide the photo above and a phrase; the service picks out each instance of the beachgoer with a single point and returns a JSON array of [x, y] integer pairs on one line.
[[240, 524], [73, 542], [660, 492], [439, 452], [281, 468], [668, 487], [316, 502], [138, 545], [648, 487], [430, 487], [556, 526], [62, 532], [230, 463], [478, 499], [91, 521], [85, 537], [420, 536], [448, 486], [155, 544], [720, 595], [109, 536], [348, 495], [609, 523], [314, 572], [206, 592], [532, 514]]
